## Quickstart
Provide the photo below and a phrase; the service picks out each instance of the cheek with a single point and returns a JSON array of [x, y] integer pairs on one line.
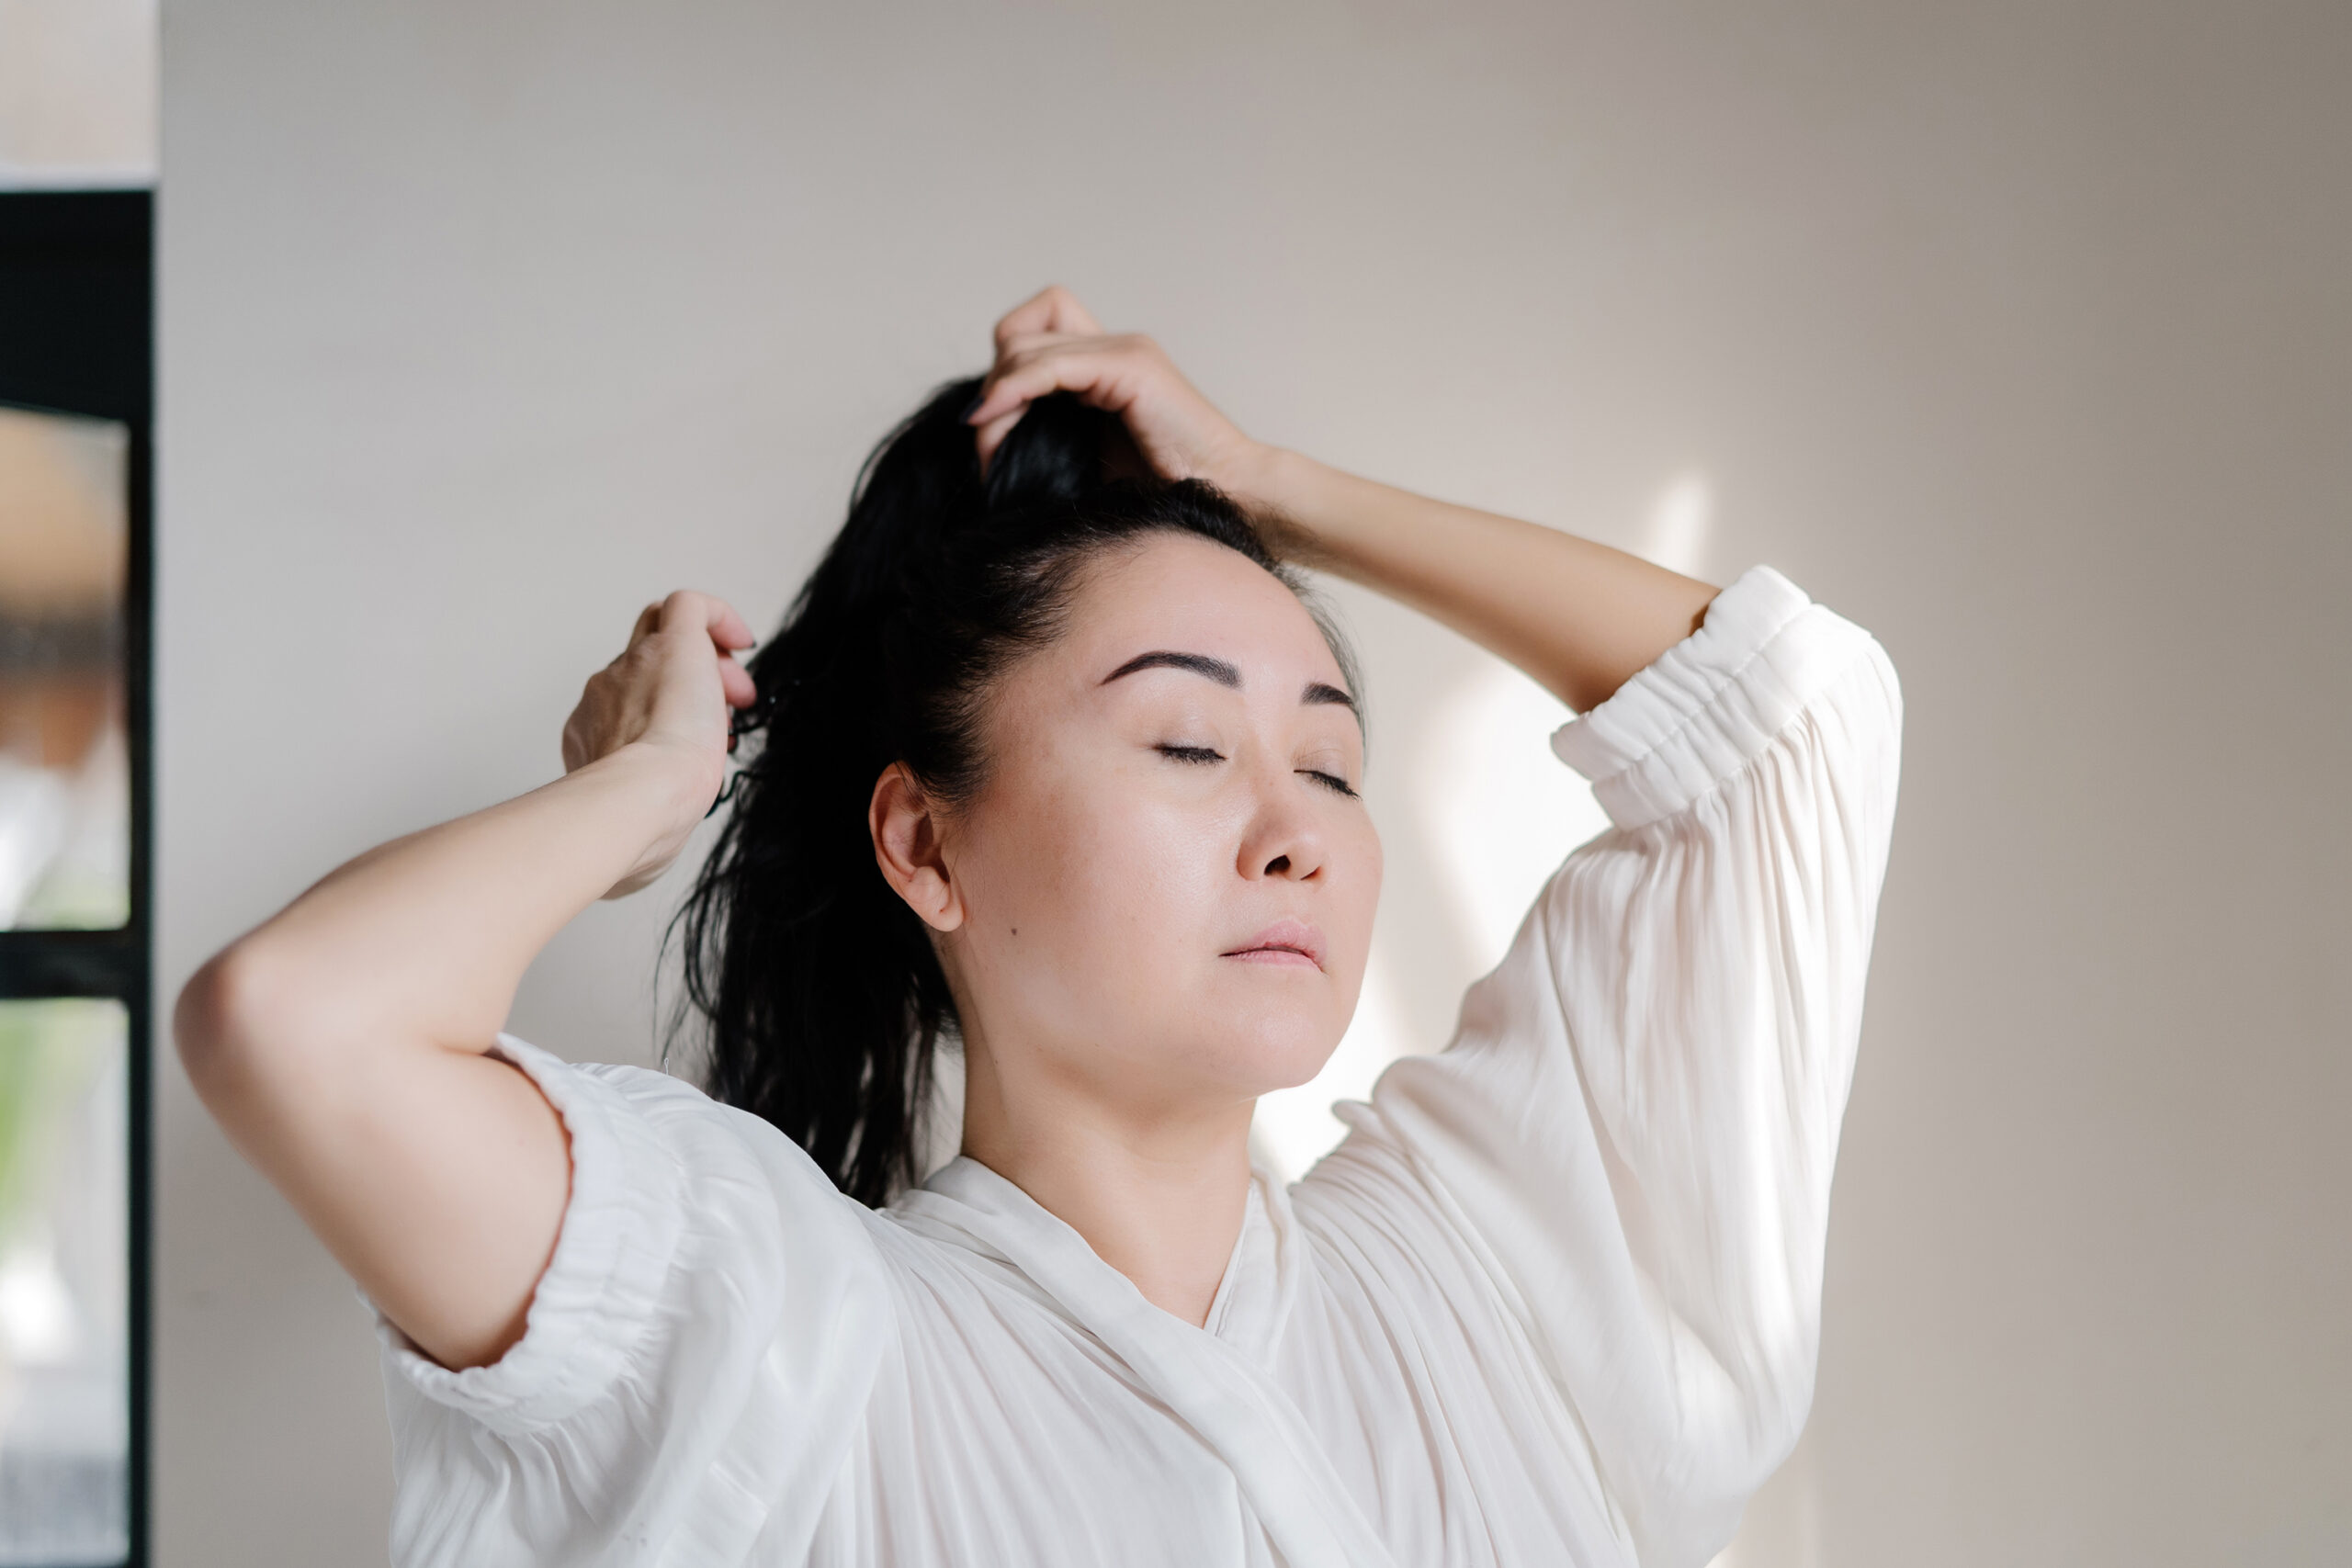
[[1361, 901], [1097, 899], [1360, 866]]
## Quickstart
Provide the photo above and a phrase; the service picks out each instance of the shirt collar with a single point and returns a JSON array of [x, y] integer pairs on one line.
[[968, 1204]]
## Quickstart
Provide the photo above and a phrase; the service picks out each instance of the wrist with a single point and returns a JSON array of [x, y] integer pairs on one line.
[[675, 786], [678, 781], [1254, 475], [1289, 495]]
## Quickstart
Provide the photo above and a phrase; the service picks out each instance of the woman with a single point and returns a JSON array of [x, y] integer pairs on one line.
[[1058, 763]]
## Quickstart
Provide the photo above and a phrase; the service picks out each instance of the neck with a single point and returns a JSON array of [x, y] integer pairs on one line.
[[1159, 1195]]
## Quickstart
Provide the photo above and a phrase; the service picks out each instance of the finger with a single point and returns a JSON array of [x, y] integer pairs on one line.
[[737, 682], [715, 615], [729, 630], [991, 434], [1103, 370], [1019, 351], [1051, 309], [1028, 345], [1022, 345], [646, 620]]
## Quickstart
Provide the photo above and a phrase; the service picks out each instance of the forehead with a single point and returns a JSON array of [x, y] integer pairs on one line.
[[1186, 595]]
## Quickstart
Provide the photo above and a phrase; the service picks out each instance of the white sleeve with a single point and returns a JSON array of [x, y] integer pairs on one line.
[[696, 1359], [1635, 1123]]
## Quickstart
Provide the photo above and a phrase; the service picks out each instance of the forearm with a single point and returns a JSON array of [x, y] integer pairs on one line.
[[424, 940], [1579, 617]]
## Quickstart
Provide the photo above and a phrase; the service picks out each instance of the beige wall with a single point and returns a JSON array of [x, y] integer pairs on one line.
[[2020, 333]]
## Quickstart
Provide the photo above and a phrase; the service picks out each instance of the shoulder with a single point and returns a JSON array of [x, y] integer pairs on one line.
[[685, 1218], [696, 1357], [715, 1170], [596, 1096]]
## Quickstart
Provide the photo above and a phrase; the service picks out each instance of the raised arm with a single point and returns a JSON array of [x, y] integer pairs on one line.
[[1632, 1134], [340, 1043], [1579, 617]]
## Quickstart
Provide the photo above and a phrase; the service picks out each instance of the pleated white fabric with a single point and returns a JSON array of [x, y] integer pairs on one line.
[[1553, 1300]]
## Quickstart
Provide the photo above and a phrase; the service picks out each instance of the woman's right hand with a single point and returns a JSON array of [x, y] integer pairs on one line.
[[668, 693]]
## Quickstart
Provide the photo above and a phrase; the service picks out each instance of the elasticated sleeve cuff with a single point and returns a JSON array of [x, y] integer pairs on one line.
[[602, 1287], [1707, 706]]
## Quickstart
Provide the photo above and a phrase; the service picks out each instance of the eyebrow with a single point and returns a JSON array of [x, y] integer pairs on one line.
[[1225, 674]]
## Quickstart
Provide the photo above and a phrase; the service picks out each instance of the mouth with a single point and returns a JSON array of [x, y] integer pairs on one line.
[[1296, 943]]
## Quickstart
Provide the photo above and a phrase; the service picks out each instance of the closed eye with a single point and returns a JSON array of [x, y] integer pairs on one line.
[[1207, 754]]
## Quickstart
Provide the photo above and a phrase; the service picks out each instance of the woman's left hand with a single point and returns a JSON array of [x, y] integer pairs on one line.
[[1052, 343]]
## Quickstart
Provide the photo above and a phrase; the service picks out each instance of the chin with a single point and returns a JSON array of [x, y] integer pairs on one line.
[[1250, 1045], [1285, 1058]]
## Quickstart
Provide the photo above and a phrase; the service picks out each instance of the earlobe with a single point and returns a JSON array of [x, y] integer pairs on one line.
[[907, 848]]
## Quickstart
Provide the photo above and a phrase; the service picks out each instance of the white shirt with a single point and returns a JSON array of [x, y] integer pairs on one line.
[[1555, 1299]]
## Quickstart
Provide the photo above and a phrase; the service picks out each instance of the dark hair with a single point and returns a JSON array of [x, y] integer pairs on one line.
[[824, 1000]]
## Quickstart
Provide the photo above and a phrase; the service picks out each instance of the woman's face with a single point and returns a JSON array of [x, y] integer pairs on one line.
[[1169, 782]]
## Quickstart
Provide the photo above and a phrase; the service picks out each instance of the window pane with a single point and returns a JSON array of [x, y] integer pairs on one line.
[[65, 1296], [64, 765]]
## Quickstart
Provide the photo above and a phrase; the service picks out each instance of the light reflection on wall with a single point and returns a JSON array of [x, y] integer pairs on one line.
[[1681, 523]]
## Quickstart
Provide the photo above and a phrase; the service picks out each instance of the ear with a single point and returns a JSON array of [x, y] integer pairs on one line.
[[906, 832]]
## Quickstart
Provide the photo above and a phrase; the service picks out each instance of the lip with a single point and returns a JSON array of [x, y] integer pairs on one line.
[[1284, 941]]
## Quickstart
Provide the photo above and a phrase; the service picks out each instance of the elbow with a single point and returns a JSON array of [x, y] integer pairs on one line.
[[234, 1014]]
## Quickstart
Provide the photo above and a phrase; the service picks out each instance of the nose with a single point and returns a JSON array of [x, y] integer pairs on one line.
[[1284, 838]]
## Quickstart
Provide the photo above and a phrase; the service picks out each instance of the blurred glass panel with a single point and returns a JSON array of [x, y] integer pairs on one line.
[[64, 762], [77, 92], [64, 1284]]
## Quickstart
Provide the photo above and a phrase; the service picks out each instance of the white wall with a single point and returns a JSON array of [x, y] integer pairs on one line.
[[77, 93], [2020, 333]]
